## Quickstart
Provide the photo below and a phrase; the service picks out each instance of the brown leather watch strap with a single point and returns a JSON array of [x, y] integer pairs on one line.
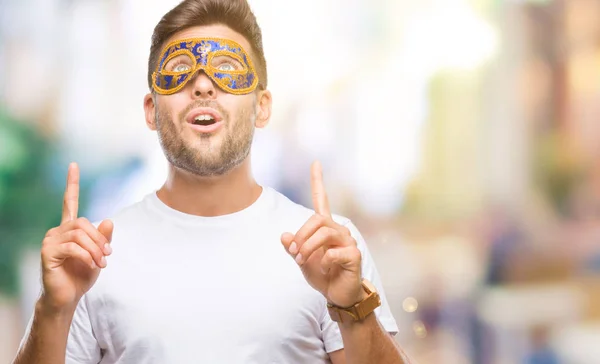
[[358, 311]]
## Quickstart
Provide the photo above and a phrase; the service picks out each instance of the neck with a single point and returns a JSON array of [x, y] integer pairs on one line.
[[210, 196]]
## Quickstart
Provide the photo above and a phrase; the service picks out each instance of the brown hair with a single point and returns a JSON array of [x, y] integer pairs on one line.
[[236, 14]]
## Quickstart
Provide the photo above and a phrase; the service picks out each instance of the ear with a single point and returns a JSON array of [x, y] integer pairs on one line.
[[150, 111], [263, 109]]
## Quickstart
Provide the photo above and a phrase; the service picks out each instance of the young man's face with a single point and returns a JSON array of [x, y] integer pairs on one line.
[[203, 128]]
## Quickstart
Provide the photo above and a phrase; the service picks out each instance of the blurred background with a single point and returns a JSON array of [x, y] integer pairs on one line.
[[462, 138]]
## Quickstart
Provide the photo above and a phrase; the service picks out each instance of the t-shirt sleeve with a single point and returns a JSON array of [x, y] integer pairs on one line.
[[82, 347], [332, 337]]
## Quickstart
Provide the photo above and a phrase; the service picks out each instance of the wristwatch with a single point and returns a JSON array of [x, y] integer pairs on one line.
[[360, 310]]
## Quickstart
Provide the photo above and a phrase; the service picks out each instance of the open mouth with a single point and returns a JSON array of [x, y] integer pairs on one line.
[[203, 120]]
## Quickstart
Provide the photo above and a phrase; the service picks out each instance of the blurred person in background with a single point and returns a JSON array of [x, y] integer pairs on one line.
[[542, 352], [198, 273]]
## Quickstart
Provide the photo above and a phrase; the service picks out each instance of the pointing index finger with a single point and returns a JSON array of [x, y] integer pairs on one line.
[[71, 198], [319, 196]]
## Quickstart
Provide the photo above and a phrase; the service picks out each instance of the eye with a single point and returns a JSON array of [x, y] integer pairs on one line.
[[226, 63], [180, 63], [181, 67], [226, 67]]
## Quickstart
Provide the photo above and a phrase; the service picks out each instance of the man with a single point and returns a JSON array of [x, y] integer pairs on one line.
[[198, 273]]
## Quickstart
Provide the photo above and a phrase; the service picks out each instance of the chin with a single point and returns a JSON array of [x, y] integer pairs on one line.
[[205, 141]]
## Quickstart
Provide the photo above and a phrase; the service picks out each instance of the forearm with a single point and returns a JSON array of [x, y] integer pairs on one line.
[[367, 341], [47, 341]]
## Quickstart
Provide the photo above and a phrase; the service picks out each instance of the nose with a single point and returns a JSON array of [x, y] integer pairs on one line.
[[203, 87]]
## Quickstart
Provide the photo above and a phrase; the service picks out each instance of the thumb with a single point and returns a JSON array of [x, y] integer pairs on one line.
[[106, 228]]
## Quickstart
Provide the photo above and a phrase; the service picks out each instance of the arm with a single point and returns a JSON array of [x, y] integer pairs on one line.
[[367, 342], [331, 262], [371, 337], [47, 340], [72, 255]]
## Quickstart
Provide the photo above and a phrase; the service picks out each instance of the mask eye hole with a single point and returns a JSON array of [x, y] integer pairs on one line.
[[226, 64], [180, 63]]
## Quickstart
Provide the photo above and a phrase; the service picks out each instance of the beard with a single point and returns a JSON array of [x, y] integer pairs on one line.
[[203, 156]]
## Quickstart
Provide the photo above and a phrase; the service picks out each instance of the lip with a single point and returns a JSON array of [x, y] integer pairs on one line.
[[205, 111], [207, 128]]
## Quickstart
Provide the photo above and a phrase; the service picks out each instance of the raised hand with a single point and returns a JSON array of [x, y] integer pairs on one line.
[[73, 252], [325, 250]]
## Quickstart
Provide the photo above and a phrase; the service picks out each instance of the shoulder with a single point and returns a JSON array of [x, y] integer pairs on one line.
[[132, 215]]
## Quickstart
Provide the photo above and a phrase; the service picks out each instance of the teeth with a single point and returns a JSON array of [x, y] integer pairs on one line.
[[203, 118]]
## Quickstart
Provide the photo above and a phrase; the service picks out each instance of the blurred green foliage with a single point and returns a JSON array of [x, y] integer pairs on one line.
[[29, 203]]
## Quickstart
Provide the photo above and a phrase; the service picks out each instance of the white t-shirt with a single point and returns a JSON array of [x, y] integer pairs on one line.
[[181, 288]]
